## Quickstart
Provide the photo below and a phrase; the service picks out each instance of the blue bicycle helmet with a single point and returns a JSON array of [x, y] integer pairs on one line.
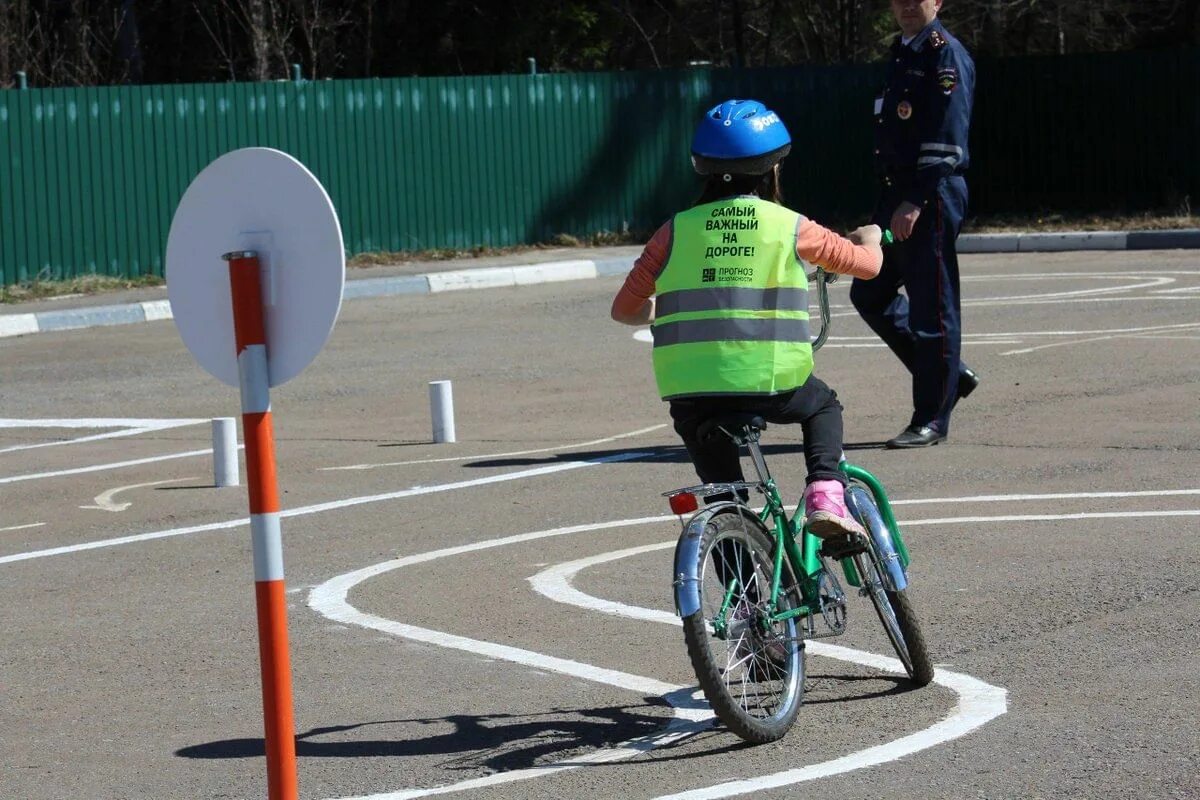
[[739, 137]]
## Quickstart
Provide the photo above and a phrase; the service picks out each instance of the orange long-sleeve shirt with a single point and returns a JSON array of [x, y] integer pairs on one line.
[[815, 244]]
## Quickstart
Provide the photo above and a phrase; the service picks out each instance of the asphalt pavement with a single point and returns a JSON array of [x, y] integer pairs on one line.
[[493, 617]]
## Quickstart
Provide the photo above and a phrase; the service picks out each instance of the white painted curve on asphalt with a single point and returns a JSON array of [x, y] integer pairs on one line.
[[691, 715], [978, 702]]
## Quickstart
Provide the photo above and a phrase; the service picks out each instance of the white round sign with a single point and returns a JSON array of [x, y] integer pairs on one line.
[[262, 200]]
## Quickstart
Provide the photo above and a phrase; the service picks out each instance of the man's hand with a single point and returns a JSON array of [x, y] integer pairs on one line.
[[904, 220], [867, 234]]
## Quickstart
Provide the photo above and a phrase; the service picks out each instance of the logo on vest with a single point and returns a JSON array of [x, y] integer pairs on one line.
[[727, 275]]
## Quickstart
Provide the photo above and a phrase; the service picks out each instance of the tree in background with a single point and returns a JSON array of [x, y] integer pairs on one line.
[[83, 42]]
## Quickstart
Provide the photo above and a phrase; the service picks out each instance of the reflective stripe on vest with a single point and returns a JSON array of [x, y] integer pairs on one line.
[[738, 329], [718, 299], [731, 312]]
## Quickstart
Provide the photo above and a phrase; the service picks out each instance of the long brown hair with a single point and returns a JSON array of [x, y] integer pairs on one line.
[[765, 186]]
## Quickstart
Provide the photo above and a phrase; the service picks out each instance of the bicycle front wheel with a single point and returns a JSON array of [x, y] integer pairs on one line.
[[750, 668], [899, 620]]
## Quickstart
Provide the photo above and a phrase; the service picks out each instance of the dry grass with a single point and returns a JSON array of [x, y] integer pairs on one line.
[[87, 284], [1051, 222]]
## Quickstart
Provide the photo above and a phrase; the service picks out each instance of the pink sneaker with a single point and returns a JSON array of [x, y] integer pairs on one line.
[[825, 508]]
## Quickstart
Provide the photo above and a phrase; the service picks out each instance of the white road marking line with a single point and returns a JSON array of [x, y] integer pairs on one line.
[[320, 507], [978, 702], [1009, 277], [1179, 290], [644, 335], [104, 467], [22, 527], [983, 337], [1004, 498], [502, 455], [1149, 283], [1090, 340], [129, 427], [304, 510], [1194, 512], [1082, 301], [329, 599], [104, 500], [99, 422]]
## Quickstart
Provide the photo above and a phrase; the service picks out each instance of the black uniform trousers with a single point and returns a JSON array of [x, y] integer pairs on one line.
[[923, 329], [814, 405]]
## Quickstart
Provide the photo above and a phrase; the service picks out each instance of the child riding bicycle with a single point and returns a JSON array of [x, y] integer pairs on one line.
[[724, 288]]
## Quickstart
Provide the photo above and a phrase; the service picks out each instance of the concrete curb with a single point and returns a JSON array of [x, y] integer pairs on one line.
[[429, 283], [548, 272], [1078, 240]]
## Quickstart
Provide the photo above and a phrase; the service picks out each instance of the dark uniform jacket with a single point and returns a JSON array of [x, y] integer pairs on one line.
[[923, 113]]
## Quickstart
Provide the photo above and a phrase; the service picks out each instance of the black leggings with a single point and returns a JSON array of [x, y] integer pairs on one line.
[[814, 405]]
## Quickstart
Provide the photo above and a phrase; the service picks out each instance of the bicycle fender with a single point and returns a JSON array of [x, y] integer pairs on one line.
[[862, 506], [687, 559]]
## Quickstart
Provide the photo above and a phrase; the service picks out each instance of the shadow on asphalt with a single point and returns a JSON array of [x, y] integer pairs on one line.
[[820, 682], [673, 454], [504, 742], [498, 742]]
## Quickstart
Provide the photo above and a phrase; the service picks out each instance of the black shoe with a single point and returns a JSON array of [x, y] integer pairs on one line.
[[915, 436], [967, 381]]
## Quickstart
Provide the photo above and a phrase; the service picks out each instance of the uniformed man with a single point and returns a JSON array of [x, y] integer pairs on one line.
[[921, 120]]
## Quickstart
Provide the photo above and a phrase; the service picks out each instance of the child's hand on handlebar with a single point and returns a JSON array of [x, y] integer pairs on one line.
[[867, 234]]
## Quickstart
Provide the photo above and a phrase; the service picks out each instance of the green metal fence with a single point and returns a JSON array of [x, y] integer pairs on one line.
[[90, 177]]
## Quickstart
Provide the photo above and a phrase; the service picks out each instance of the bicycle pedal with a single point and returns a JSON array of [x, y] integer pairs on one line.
[[844, 545]]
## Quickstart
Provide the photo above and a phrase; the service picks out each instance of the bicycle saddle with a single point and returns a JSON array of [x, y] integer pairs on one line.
[[733, 422]]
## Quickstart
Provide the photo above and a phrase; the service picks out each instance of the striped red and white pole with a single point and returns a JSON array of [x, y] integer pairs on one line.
[[250, 335]]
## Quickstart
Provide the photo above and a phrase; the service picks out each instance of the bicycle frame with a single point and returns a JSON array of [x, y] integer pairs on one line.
[[800, 547], [791, 541]]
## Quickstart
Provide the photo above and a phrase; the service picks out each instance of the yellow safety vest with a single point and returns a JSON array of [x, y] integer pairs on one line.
[[731, 314]]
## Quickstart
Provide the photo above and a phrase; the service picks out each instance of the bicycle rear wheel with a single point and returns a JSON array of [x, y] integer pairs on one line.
[[751, 670]]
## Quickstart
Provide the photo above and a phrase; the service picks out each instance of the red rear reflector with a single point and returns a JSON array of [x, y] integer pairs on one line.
[[684, 503]]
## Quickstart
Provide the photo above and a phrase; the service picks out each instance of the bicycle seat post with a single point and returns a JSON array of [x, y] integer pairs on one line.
[[750, 439]]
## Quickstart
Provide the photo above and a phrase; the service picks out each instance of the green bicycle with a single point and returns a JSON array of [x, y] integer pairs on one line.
[[751, 586]]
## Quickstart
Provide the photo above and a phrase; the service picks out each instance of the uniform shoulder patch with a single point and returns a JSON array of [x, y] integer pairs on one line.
[[937, 40], [947, 78]]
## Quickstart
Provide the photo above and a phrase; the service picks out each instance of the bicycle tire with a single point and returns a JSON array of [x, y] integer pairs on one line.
[[754, 679], [900, 622]]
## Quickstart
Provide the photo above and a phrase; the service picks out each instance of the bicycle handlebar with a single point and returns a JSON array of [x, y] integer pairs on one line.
[[823, 279]]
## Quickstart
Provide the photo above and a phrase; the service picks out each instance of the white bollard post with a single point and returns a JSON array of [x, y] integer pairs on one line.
[[225, 452], [441, 401]]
